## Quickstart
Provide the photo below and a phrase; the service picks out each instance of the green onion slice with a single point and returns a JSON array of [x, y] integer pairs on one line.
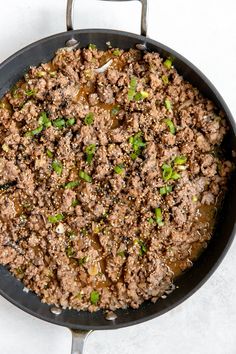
[[57, 167], [59, 123], [90, 151], [71, 184], [44, 120], [94, 297], [175, 175], [165, 79], [180, 160], [92, 46], [168, 63], [70, 122], [82, 261], [74, 203], [170, 125], [89, 119], [83, 175], [141, 95], [143, 248], [150, 220], [121, 254], [132, 88], [137, 142], [168, 105], [165, 190], [30, 93], [166, 172], [49, 153], [116, 52], [119, 169], [55, 218], [158, 215]]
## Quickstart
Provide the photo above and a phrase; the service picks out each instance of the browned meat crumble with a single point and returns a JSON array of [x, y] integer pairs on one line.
[[109, 180]]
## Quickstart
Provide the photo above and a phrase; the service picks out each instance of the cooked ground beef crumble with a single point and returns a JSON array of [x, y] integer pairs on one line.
[[109, 178]]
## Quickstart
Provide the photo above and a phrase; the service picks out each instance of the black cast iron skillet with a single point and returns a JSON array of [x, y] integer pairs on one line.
[[81, 323]]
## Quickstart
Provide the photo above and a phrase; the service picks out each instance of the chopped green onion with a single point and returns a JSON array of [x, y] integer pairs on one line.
[[165, 79], [49, 153], [94, 297], [55, 218], [82, 261], [44, 120], [71, 184], [90, 151], [121, 254], [167, 172], [168, 63], [141, 95], [115, 110], [88, 120], [59, 123], [133, 156], [194, 198], [143, 248], [89, 158], [119, 169], [137, 144], [74, 203], [175, 175], [29, 93], [170, 125], [34, 132], [70, 122], [83, 175], [28, 134], [180, 160], [158, 215], [168, 105], [116, 52], [37, 131], [92, 46], [41, 73], [165, 190], [132, 88], [150, 220], [53, 73], [57, 167], [70, 252]]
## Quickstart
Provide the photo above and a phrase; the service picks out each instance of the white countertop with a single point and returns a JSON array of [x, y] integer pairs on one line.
[[204, 32]]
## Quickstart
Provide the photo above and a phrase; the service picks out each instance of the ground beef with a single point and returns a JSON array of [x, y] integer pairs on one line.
[[109, 181]]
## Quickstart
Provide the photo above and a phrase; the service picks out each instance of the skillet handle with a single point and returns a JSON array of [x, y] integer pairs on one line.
[[144, 15], [78, 340]]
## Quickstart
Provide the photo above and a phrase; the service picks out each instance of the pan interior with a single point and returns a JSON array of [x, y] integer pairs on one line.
[[12, 289]]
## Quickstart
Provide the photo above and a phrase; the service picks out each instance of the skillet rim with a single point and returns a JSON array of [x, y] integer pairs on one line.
[[232, 124]]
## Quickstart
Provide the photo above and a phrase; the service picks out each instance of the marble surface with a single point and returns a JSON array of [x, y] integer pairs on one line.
[[204, 32]]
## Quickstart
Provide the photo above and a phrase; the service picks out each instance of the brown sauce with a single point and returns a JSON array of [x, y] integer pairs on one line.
[[4, 103], [205, 215]]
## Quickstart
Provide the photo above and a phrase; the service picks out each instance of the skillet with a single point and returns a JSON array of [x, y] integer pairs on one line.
[[82, 323]]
